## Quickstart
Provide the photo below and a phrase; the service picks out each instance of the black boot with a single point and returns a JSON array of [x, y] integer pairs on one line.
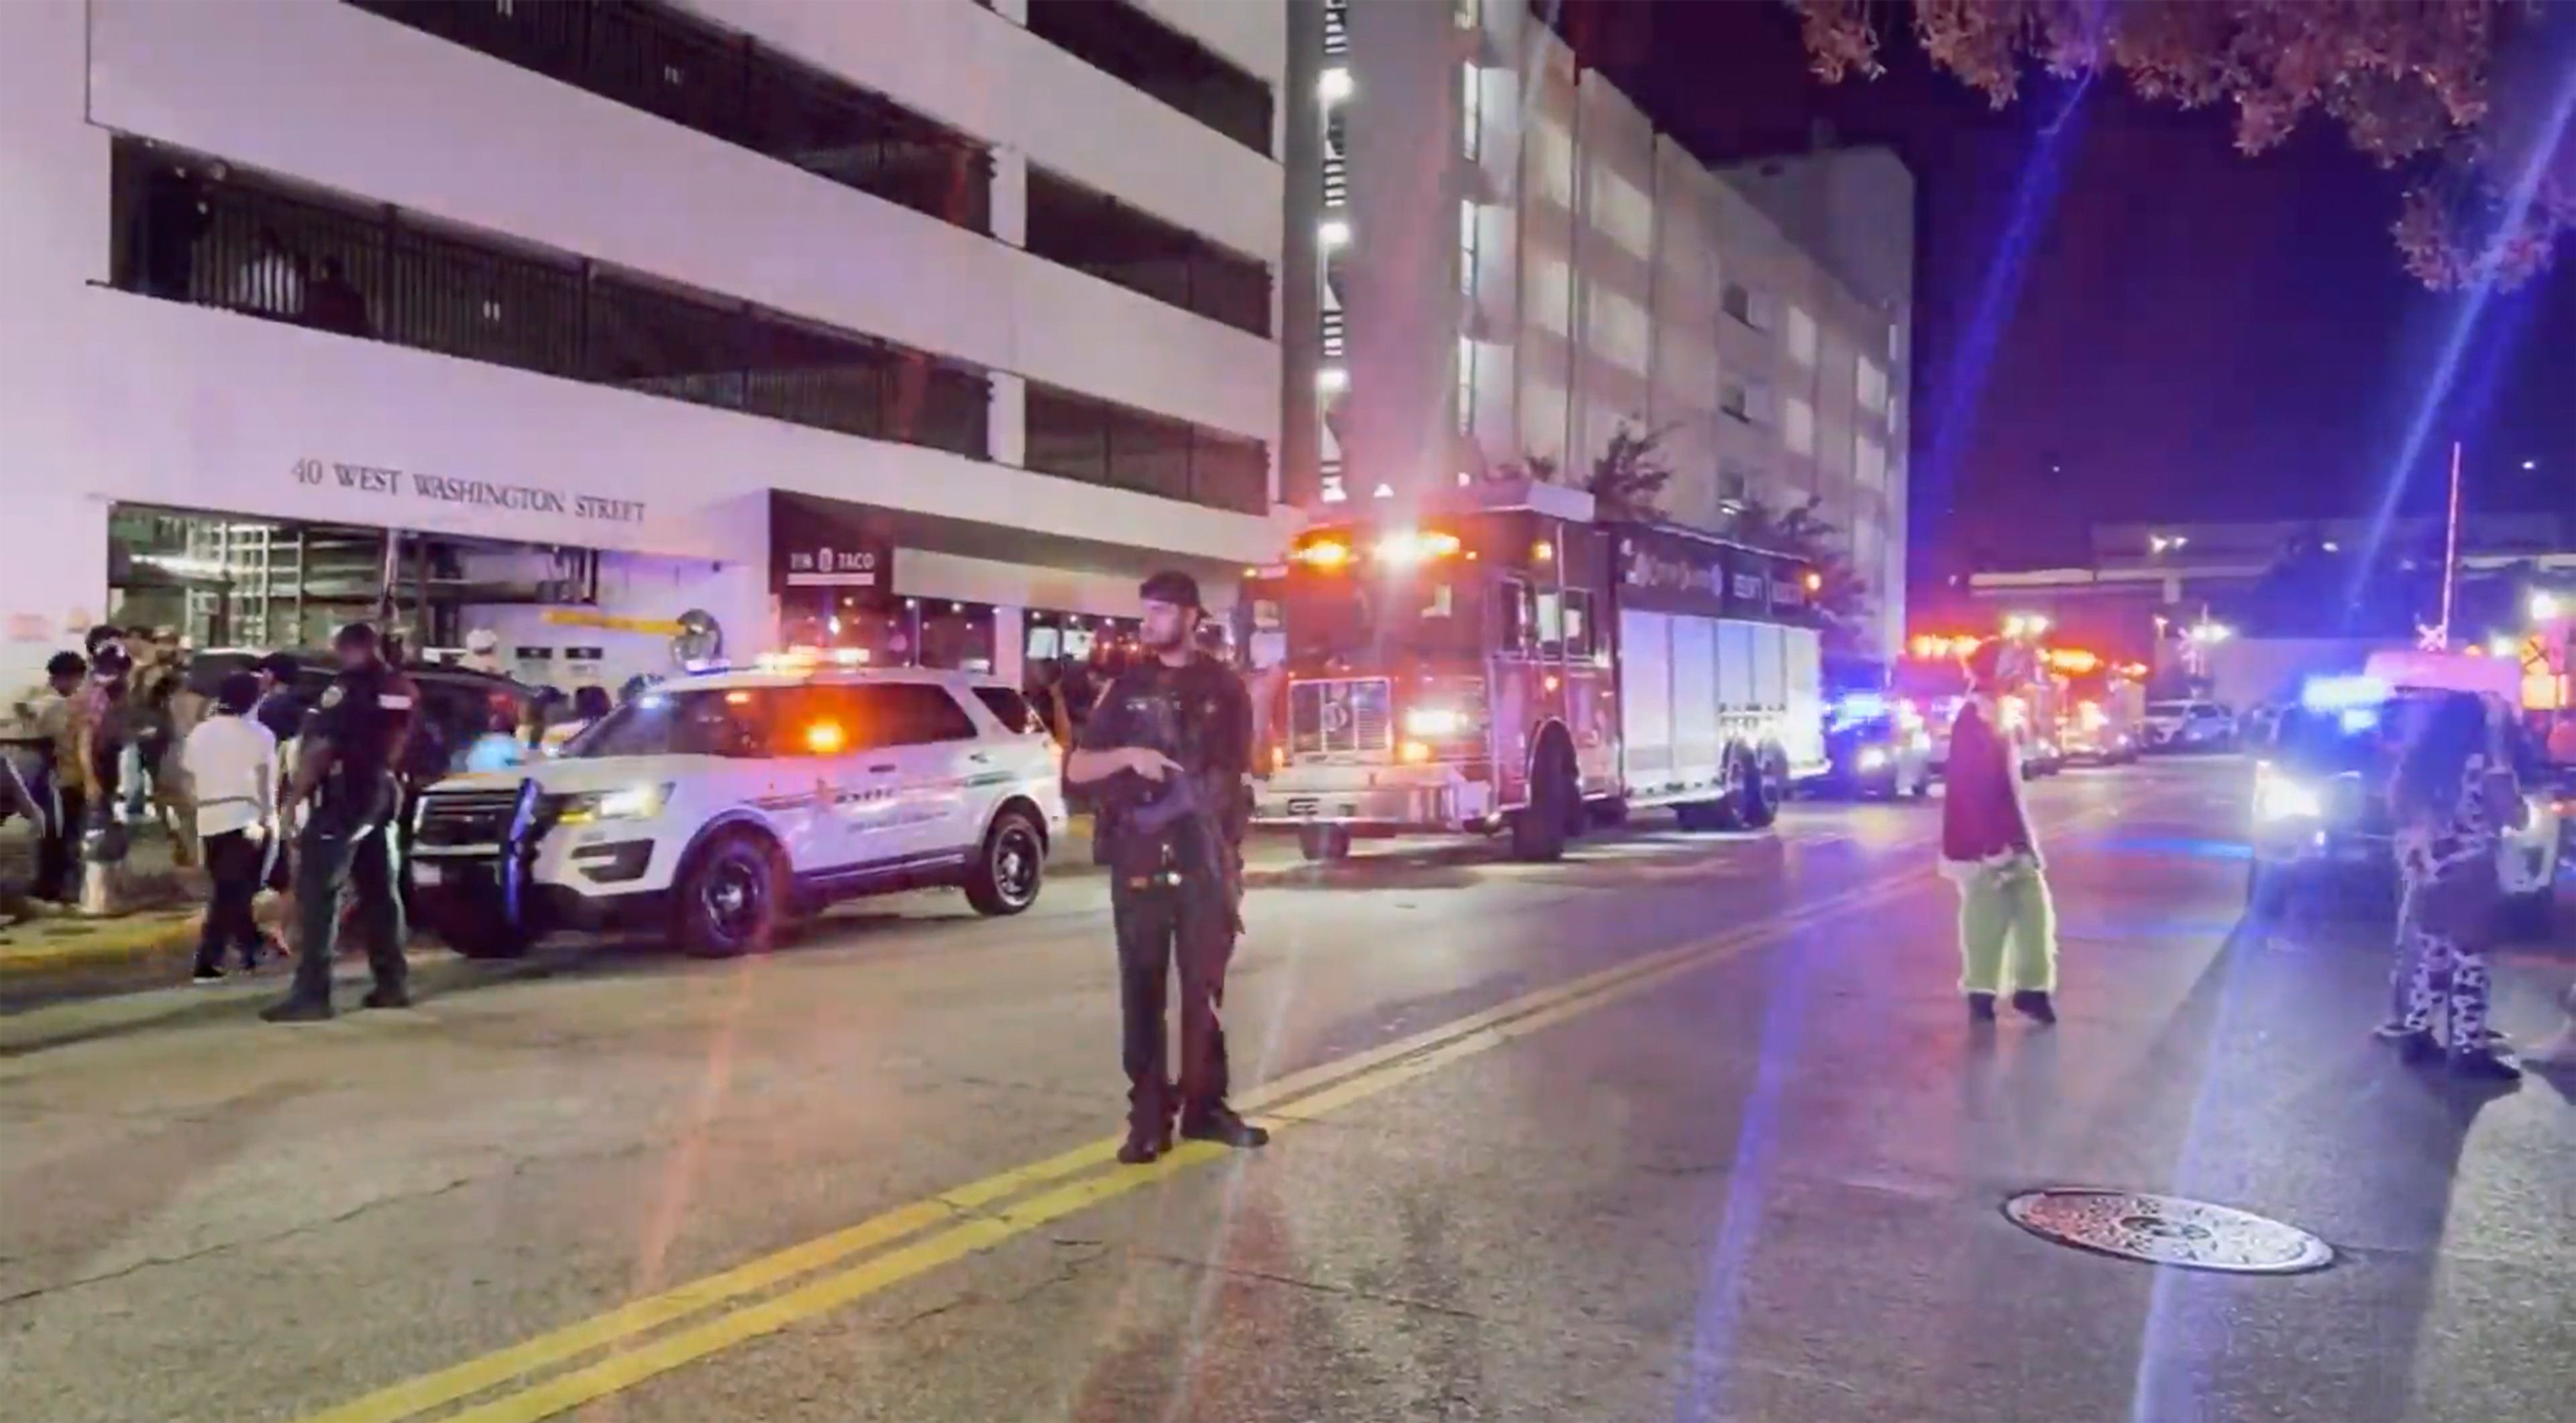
[[2480, 1064], [1220, 1124], [1981, 1007], [2419, 1048], [386, 995], [296, 1008], [2033, 1004]]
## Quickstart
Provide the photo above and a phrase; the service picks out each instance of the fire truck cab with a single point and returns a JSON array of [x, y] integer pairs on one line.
[[1500, 660]]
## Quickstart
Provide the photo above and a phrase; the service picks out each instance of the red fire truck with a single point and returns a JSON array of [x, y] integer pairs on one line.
[[1503, 661]]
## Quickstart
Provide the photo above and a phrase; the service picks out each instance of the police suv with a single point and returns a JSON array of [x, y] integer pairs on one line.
[[718, 804]]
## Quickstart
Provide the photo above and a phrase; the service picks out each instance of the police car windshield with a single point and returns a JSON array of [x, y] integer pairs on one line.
[[2329, 742], [707, 721]]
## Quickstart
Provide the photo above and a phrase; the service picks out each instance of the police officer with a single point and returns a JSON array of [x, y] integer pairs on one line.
[[1174, 715], [352, 745]]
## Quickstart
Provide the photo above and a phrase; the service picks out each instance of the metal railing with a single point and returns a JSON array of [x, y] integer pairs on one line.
[[651, 56], [1124, 41], [1073, 226], [1076, 437], [244, 244]]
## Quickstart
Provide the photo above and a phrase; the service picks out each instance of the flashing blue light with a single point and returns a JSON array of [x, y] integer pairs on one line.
[[2343, 694], [2354, 720]]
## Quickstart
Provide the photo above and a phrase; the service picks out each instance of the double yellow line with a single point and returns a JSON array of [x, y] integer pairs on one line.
[[973, 1218]]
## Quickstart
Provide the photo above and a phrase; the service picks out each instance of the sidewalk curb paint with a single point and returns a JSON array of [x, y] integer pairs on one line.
[[95, 943]]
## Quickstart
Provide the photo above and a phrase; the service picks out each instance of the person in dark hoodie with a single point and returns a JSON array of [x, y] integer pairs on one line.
[[1988, 850]]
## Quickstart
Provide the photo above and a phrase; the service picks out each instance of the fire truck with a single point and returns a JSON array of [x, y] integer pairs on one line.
[[1499, 660]]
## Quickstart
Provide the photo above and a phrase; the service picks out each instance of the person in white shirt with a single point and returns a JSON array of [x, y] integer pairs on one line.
[[231, 762]]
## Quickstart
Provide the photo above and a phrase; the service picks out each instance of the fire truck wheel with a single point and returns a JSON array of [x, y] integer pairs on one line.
[[1758, 803], [1538, 829], [1324, 842]]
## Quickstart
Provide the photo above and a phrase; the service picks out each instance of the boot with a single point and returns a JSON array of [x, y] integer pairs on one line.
[[296, 1009], [2034, 1005], [386, 995], [1981, 1007], [2417, 1047], [1220, 1124]]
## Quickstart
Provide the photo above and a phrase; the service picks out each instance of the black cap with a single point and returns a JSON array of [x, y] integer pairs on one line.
[[66, 664], [1171, 586], [355, 637]]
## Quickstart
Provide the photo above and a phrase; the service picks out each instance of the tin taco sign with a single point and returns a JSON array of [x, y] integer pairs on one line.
[[474, 493]]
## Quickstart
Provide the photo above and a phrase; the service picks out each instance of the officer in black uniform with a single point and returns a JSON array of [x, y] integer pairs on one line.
[[1166, 751], [351, 746]]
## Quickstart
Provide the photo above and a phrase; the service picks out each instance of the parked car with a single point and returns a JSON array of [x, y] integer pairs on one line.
[[716, 806], [2189, 726]]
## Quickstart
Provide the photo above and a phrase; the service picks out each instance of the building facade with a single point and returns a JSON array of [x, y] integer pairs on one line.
[[920, 327], [1515, 264]]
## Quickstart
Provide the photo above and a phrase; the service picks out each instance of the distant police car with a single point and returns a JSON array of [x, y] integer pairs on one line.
[[717, 804], [2321, 810]]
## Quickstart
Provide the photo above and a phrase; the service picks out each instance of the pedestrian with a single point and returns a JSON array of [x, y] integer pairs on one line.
[[345, 787], [231, 765], [1168, 750], [498, 748], [1988, 850], [280, 708], [483, 653], [2453, 797], [58, 788]]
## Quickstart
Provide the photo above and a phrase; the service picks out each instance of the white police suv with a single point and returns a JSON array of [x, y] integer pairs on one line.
[[718, 804]]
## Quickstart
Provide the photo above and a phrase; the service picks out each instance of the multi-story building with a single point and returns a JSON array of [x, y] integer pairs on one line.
[[1515, 264], [921, 328]]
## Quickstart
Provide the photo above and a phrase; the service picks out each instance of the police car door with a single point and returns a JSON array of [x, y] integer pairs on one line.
[[859, 788], [942, 761]]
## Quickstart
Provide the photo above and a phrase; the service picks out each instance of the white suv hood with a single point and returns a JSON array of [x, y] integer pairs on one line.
[[587, 773]]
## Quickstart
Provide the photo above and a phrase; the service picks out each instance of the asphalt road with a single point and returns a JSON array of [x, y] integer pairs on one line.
[[1684, 1128]]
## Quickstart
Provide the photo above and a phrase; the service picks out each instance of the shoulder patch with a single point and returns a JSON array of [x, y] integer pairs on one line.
[[331, 695]]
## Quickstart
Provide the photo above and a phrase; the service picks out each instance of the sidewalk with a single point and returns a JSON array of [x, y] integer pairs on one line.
[[48, 953]]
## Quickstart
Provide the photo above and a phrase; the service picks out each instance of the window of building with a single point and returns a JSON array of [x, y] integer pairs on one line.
[[1122, 40], [1470, 227], [1624, 212], [1869, 462], [1736, 300], [657, 58], [1735, 400], [1466, 384], [1076, 437], [1736, 483], [1872, 383], [1092, 232], [1802, 336], [1798, 426], [1550, 298], [1471, 110], [1551, 152], [356, 268], [1619, 331], [1895, 414]]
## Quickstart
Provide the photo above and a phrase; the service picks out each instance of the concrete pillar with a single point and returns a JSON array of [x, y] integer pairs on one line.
[[1011, 196]]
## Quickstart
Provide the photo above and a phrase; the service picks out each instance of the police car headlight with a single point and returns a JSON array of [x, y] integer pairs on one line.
[[1872, 758], [626, 803], [2276, 798]]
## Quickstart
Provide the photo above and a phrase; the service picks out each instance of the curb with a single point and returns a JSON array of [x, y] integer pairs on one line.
[[102, 944]]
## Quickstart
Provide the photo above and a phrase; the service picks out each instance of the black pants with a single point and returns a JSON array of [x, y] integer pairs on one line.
[[58, 853], [234, 861], [1160, 925], [332, 853]]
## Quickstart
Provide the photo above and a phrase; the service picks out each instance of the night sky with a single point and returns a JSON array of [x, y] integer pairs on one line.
[[2193, 334]]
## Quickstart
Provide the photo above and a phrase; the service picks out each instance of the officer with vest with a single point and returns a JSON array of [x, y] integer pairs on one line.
[[351, 748], [1166, 753]]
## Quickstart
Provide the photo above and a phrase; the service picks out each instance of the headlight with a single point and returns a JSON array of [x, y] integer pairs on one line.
[[2278, 799], [625, 803], [1435, 722], [1872, 758]]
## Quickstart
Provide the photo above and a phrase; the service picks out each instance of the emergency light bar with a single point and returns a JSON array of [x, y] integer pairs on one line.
[[2336, 694]]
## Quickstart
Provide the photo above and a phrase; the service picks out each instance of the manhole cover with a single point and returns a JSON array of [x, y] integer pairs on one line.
[[2167, 1230]]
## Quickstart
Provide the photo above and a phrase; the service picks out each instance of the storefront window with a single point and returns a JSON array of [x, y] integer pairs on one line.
[[957, 635], [831, 619]]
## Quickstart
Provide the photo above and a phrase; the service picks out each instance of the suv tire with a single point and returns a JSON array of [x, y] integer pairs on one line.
[[731, 898], [1005, 875]]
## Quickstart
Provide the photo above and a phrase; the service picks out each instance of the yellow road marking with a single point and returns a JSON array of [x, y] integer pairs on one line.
[[1346, 1080]]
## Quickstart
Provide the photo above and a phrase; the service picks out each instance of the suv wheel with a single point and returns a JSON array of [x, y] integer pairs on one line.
[[1005, 876], [730, 900]]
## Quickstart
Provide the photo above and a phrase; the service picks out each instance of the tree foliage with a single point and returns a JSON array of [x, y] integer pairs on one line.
[[1844, 597], [2465, 99], [1628, 479]]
